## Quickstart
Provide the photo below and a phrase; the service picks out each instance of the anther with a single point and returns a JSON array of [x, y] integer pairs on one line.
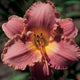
[[41, 34], [38, 36], [38, 41], [34, 35]]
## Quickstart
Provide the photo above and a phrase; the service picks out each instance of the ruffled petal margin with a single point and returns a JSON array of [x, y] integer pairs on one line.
[[13, 26], [41, 15], [39, 71], [63, 53], [69, 29], [18, 53]]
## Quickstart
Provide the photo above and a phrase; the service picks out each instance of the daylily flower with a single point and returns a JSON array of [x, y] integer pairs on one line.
[[41, 40]]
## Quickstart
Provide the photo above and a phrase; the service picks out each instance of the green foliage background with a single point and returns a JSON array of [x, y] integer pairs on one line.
[[18, 7]]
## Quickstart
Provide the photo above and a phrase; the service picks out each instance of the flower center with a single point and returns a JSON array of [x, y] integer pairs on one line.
[[39, 41]]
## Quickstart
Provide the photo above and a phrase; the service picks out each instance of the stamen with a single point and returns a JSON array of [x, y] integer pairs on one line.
[[34, 35], [45, 61], [41, 34], [47, 67], [40, 43], [38, 36]]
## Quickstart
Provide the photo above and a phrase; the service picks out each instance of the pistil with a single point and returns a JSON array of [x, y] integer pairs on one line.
[[40, 43]]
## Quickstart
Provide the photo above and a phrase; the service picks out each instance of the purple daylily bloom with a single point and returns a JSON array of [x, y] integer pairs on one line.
[[41, 40]]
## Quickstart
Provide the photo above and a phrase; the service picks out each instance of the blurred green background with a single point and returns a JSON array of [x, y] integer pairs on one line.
[[67, 9]]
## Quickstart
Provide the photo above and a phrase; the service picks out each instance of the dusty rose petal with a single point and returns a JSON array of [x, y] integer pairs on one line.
[[38, 72], [62, 54], [69, 28], [41, 15], [18, 53], [13, 26]]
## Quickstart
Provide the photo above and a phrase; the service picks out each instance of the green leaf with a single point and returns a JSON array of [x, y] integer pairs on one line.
[[52, 78], [12, 0], [72, 2], [69, 79], [59, 9], [16, 7], [40, 0], [66, 3], [78, 68], [78, 74], [30, 2], [3, 13], [70, 14], [21, 76]]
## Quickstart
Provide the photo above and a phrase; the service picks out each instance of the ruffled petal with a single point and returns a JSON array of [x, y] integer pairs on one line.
[[62, 54], [13, 26], [39, 72], [18, 53], [69, 29], [41, 15]]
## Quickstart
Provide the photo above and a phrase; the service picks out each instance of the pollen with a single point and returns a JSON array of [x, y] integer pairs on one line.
[[39, 41]]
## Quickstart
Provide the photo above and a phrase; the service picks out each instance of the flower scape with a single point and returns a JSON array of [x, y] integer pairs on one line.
[[41, 40]]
